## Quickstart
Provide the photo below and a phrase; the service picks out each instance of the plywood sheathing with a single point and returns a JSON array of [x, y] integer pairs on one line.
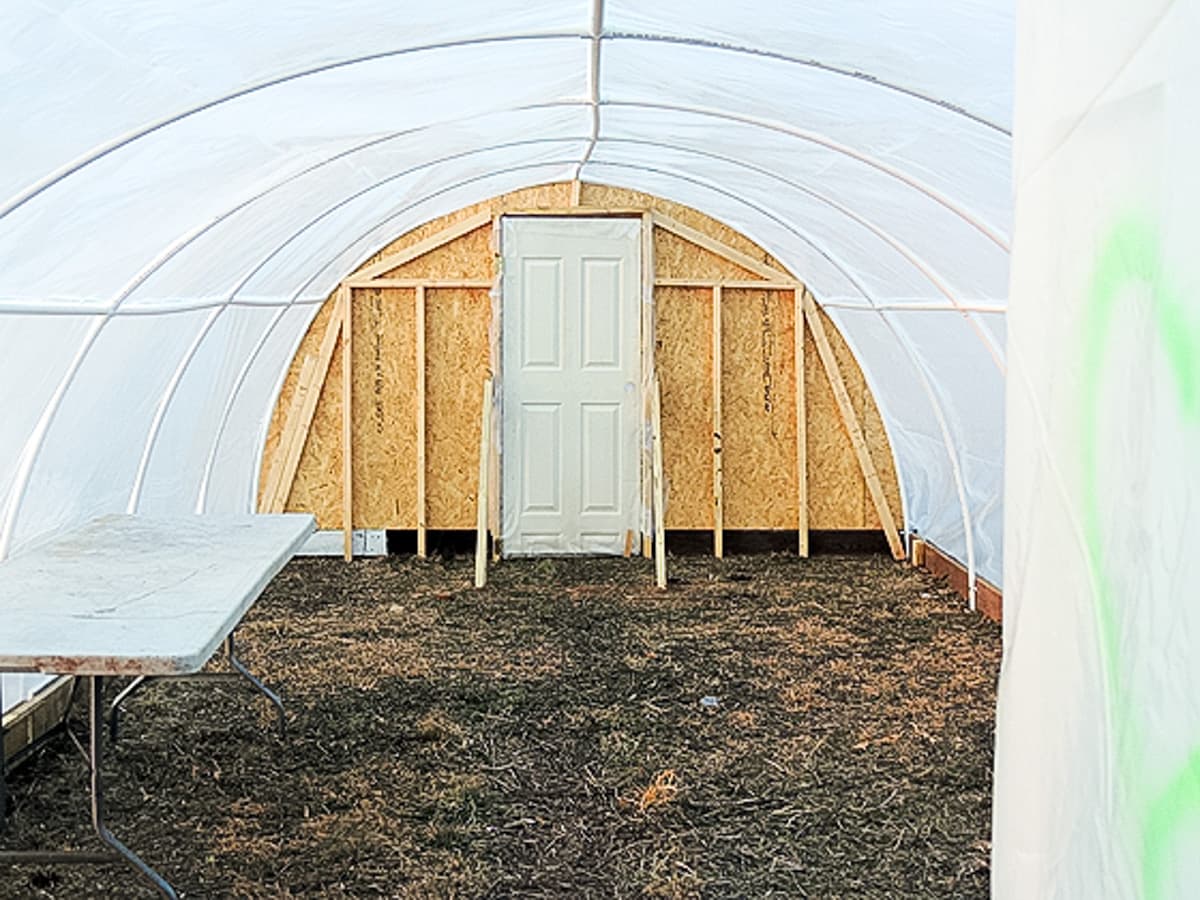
[[683, 340], [759, 420], [384, 400], [456, 354], [675, 257], [838, 496], [760, 487], [317, 487]]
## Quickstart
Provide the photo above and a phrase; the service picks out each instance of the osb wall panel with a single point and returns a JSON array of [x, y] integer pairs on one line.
[[676, 258], [838, 496], [758, 409], [384, 424], [683, 356], [836, 491], [469, 258], [759, 457], [456, 354], [317, 488]]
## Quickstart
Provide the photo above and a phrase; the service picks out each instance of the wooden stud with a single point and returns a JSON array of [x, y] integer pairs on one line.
[[730, 284], [801, 430], [660, 532], [853, 429], [294, 435], [648, 378], [274, 494], [420, 248], [481, 493], [700, 239], [628, 543], [496, 299], [422, 505], [410, 283], [592, 212], [718, 485], [347, 422]]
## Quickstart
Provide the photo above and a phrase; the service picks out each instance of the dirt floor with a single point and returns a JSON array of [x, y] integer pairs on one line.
[[768, 727]]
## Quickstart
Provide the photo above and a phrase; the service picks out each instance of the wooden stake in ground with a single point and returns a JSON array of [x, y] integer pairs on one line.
[[717, 473], [660, 531], [422, 547], [648, 378], [801, 428], [481, 493]]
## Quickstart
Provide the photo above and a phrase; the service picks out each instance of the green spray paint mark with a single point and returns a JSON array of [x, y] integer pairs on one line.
[[1131, 256]]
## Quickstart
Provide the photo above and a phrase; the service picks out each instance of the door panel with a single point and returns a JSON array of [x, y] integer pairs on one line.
[[569, 445]]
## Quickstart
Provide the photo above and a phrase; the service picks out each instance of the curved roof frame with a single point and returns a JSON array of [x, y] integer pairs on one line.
[[904, 172], [596, 38]]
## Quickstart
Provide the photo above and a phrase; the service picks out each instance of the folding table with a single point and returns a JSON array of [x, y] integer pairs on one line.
[[134, 595]]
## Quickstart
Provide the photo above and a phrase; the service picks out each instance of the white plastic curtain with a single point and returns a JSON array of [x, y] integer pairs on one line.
[[182, 184], [1098, 729]]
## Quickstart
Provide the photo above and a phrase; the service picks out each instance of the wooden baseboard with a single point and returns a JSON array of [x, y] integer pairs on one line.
[[28, 722], [989, 599]]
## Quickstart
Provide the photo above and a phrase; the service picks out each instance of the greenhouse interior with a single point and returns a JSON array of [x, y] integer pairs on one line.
[[641, 449]]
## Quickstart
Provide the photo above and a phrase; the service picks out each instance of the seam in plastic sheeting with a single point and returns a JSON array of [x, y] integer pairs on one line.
[[594, 45], [865, 77]]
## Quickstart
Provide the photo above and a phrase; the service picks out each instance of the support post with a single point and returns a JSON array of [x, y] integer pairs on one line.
[[850, 421], [648, 378], [347, 422], [718, 486], [422, 537], [660, 532], [801, 429], [481, 492]]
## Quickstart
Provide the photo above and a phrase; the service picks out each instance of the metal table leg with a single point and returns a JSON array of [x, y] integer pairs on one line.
[[240, 672], [119, 852], [259, 686]]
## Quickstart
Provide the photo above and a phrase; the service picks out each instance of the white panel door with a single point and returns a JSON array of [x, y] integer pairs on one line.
[[569, 448]]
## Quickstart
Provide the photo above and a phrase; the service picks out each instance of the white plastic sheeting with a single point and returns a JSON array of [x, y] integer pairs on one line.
[[181, 184], [1098, 743]]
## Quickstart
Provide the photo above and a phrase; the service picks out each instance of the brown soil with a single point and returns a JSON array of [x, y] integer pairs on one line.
[[550, 737]]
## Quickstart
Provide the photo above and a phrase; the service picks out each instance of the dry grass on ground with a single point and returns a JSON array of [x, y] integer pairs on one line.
[[549, 737]]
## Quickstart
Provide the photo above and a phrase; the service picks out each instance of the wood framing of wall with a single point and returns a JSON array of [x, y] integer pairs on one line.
[[421, 321]]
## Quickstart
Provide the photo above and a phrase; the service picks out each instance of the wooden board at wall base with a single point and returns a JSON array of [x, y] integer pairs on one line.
[[989, 600]]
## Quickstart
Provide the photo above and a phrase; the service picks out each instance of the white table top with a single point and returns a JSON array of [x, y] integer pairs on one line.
[[136, 595]]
